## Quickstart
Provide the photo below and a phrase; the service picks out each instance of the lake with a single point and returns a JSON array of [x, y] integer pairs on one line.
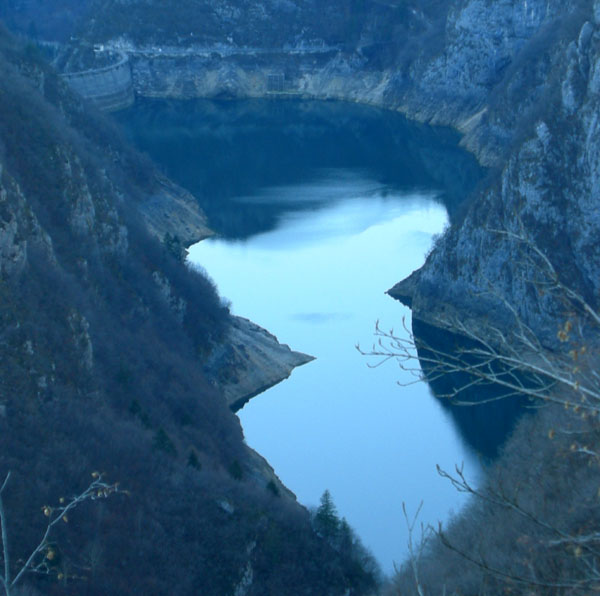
[[319, 208]]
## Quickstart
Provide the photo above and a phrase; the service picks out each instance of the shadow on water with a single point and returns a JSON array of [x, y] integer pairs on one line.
[[226, 151], [483, 426]]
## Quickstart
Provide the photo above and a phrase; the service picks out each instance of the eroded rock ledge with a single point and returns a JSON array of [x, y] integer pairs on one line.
[[250, 362], [544, 199], [173, 211]]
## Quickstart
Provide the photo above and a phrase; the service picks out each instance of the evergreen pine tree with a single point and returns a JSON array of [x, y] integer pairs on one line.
[[327, 522]]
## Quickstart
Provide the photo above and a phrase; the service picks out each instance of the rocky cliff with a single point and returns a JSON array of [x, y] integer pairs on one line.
[[250, 362], [341, 50], [540, 127]]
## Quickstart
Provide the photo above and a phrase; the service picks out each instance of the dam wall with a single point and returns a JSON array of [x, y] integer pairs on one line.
[[109, 87]]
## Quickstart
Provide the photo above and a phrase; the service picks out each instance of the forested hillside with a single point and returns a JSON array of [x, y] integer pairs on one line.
[[103, 336]]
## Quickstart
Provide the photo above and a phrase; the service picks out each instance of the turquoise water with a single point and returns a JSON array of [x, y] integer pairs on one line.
[[319, 208]]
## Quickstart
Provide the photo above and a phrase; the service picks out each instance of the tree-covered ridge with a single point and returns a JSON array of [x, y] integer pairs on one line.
[[102, 339], [243, 23]]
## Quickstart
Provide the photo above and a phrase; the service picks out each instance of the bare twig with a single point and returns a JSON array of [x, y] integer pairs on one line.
[[97, 489], [416, 552]]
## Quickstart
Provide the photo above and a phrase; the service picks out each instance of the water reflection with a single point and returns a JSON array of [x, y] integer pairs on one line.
[[222, 151], [484, 426], [319, 208]]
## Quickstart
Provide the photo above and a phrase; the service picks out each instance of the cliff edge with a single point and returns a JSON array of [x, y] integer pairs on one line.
[[535, 225], [250, 362]]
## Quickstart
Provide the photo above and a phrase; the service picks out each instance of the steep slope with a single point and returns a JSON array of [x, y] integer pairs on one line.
[[545, 197], [104, 333]]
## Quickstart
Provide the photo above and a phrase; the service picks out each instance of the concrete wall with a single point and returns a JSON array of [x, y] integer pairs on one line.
[[110, 88]]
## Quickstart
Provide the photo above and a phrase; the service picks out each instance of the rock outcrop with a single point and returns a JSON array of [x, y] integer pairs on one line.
[[171, 211], [250, 362], [543, 198]]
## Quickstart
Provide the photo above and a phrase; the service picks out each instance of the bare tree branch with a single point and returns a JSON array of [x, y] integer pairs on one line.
[[97, 489], [514, 360], [5, 550]]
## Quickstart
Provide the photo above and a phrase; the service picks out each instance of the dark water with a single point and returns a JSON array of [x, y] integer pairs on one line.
[[321, 207], [225, 151], [483, 426]]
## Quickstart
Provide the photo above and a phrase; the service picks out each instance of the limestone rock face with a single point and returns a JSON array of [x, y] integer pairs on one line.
[[535, 119], [548, 192], [482, 43], [251, 361], [322, 71], [252, 49], [19, 228]]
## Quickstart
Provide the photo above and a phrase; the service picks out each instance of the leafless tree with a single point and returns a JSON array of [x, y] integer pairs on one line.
[[512, 356], [559, 373], [416, 548]]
